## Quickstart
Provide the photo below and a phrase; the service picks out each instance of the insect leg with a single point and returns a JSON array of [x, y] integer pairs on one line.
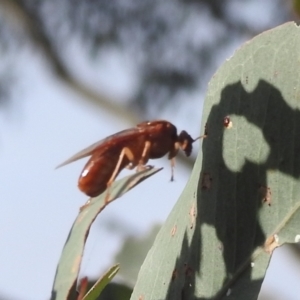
[[172, 155], [130, 166], [144, 157], [125, 152], [172, 168]]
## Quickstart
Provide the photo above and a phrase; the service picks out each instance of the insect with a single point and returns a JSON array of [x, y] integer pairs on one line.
[[130, 148]]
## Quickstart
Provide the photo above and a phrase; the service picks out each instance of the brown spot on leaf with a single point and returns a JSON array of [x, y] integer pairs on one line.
[[173, 231], [266, 194], [205, 130], [188, 271], [174, 274], [87, 203], [271, 243], [227, 122], [141, 297], [206, 181], [193, 213]]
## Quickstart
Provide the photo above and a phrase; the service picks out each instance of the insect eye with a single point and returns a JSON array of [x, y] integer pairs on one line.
[[186, 142]]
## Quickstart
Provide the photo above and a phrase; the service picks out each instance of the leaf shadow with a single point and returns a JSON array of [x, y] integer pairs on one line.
[[232, 203]]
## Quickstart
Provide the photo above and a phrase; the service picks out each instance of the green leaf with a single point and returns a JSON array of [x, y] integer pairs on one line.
[[67, 271], [243, 197], [115, 291], [101, 283]]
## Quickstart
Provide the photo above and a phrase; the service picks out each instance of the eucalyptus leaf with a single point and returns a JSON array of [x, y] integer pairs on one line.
[[64, 286], [243, 198], [101, 283]]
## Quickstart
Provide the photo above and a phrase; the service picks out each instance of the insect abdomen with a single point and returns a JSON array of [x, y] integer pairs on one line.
[[96, 174]]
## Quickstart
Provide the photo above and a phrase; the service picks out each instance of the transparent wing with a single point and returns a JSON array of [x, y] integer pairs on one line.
[[103, 145]]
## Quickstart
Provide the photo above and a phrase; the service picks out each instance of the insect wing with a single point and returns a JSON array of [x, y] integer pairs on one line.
[[105, 144], [83, 153]]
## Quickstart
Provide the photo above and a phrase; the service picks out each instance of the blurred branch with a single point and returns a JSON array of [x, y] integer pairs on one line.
[[30, 20], [36, 30]]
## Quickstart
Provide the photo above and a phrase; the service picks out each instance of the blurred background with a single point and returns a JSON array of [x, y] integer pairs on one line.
[[73, 72]]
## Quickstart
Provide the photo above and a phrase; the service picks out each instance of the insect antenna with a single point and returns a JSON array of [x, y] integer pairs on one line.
[[202, 136], [199, 137]]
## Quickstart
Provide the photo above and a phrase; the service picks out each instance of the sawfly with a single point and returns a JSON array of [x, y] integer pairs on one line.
[[130, 148]]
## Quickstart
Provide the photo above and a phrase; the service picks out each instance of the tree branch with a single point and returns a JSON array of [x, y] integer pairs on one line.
[[37, 34]]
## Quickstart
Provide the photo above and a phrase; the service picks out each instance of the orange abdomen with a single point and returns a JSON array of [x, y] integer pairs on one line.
[[97, 172]]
